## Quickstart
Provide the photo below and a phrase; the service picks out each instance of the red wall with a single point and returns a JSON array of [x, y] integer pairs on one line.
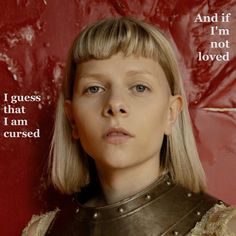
[[34, 39]]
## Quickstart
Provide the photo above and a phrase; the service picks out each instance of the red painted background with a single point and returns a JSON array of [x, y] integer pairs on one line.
[[34, 38]]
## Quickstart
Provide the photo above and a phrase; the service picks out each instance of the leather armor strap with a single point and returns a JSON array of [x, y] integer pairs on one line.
[[163, 208]]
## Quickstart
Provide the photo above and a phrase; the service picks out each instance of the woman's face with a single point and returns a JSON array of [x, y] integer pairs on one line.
[[120, 110]]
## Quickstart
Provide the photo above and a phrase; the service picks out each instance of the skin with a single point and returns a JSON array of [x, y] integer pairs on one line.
[[122, 92]]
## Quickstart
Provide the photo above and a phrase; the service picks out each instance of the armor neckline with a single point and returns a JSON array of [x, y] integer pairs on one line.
[[127, 205], [163, 208]]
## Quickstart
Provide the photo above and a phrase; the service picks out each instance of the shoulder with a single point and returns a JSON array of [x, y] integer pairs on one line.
[[220, 219], [39, 224]]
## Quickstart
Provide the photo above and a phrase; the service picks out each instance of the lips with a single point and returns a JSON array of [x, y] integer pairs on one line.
[[117, 135]]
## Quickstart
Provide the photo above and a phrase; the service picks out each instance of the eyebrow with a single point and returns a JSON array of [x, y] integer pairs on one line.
[[139, 72], [102, 75], [93, 75]]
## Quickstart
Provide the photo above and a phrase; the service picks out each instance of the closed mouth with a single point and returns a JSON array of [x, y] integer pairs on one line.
[[117, 132], [117, 135]]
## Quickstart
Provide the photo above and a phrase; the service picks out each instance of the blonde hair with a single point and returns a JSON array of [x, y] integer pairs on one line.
[[69, 163]]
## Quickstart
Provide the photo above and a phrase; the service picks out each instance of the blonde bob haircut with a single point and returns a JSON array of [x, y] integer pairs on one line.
[[69, 164]]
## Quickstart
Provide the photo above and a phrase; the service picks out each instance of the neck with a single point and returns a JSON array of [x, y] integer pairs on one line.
[[118, 184]]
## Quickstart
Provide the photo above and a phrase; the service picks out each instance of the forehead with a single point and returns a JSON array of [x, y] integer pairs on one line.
[[120, 64]]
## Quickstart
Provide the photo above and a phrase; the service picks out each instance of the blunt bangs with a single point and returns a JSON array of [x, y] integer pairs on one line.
[[101, 41]]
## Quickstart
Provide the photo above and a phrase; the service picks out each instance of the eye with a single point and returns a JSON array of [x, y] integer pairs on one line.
[[93, 89], [140, 88]]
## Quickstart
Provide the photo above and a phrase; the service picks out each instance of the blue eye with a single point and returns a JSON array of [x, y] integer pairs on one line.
[[94, 89], [140, 88]]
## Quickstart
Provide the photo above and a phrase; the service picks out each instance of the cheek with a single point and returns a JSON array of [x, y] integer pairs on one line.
[[86, 120], [155, 120], [85, 128]]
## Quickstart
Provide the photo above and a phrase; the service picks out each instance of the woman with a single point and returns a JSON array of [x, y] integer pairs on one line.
[[123, 143]]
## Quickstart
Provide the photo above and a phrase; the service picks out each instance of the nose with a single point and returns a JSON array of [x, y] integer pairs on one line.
[[115, 105]]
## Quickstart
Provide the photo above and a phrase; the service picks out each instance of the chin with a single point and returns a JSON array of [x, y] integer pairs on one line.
[[116, 162]]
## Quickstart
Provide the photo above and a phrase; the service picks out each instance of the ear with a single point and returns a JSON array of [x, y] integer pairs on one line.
[[69, 114], [175, 107]]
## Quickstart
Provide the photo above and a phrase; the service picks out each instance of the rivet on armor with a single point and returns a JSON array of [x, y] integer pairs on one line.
[[175, 232], [168, 183], [77, 211], [189, 194], [147, 196], [198, 213], [95, 215], [121, 210]]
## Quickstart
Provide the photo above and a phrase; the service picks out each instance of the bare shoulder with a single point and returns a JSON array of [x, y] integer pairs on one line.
[[39, 224]]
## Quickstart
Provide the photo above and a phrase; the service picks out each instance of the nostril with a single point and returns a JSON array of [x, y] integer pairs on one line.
[[110, 112], [122, 111]]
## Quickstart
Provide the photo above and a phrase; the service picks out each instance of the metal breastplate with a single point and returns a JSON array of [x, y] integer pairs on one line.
[[163, 208]]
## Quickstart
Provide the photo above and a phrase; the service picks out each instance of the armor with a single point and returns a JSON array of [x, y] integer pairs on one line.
[[163, 208]]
